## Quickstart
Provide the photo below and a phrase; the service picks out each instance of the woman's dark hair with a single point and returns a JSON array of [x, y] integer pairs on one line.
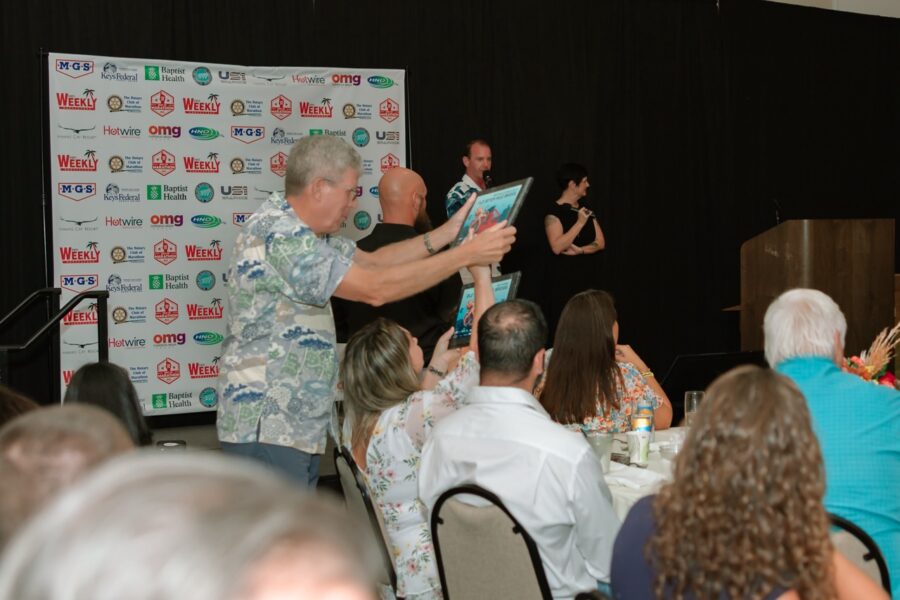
[[570, 172], [582, 373], [107, 385], [13, 404]]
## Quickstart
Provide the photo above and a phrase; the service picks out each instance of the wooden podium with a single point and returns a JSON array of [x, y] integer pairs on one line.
[[851, 260]]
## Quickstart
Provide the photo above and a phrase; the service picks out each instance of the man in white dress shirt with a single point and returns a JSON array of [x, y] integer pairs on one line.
[[504, 441]]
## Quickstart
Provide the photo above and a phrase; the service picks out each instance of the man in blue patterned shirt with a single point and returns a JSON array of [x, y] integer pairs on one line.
[[279, 364], [476, 159]]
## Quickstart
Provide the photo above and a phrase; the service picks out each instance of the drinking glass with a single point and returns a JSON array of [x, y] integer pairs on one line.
[[692, 401]]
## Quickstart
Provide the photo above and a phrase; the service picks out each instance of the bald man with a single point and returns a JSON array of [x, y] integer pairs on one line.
[[427, 314]]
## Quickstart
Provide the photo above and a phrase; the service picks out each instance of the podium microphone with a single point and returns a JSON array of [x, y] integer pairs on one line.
[[488, 180]]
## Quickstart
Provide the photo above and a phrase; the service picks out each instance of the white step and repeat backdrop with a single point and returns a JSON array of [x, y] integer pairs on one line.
[[154, 167]]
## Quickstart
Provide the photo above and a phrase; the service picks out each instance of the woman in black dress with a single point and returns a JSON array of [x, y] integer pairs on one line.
[[573, 234]]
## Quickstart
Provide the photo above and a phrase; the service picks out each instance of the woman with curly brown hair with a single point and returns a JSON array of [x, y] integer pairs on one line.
[[743, 517]]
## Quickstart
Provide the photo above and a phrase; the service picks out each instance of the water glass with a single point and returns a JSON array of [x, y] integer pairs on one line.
[[692, 401], [601, 443]]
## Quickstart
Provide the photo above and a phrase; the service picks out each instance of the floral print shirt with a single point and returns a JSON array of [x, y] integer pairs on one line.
[[635, 391], [279, 365], [392, 471]]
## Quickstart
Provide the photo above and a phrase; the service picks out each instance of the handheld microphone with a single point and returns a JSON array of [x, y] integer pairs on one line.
[[590, 212], [488, 179]]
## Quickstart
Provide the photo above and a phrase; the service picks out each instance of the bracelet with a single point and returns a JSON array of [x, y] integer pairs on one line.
[[427, 239], [437, 372], [647, 374]]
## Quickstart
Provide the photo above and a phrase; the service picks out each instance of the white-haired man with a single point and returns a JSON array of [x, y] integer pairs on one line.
[[279, 364], [857, 423]]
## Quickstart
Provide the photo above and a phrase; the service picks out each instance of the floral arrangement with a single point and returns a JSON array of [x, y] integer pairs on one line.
[[872, 364]]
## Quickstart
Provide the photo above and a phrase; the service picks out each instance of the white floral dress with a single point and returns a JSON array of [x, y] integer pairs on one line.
[[392, 470]]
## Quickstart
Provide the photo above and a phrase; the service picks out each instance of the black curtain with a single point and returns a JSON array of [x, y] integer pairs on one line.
[[698, 121]]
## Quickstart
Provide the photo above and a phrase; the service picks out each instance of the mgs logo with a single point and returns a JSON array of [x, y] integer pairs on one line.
[[163, 162], [86, 101], [281, 107], [165, 252], [168, 370], [79, 283], [239, 218], [76, 191], [388, 162], [278, 163], [74, 68], [389, 110], [162, 103], [166, 311], [248, 135]]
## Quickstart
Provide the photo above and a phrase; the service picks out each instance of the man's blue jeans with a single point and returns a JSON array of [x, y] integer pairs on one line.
[[297, 465]]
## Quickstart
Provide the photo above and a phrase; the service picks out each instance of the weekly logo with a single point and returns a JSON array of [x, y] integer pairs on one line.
[[210, 164], [194, 106], [89, 255], [316, 111], [87, 162], [66, 101], [198, 312]]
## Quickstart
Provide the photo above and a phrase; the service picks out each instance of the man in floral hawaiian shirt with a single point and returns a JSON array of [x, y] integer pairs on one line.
[[279, 364]]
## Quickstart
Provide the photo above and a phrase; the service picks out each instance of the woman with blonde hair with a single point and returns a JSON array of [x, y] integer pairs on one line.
[[743, 517], [592, 383], [392, 405]]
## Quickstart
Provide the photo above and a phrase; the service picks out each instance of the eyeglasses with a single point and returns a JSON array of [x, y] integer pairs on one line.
[[350, 191]]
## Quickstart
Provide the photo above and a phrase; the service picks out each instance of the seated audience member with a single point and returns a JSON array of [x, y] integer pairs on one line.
[[46, 450], [504, 441], [426, 315], [743, 517], [592, 383], [199, 526], [108, 386], [392, 413], [857, 423], [13, 404]]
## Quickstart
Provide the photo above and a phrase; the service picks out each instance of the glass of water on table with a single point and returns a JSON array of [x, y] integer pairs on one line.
[[692, 401]]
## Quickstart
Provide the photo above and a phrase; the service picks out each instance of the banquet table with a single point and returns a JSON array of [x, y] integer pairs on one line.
[[628, 484]]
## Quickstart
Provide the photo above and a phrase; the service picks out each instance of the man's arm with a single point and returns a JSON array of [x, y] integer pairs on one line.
[[596, 523], [377, 285], [416, 248]]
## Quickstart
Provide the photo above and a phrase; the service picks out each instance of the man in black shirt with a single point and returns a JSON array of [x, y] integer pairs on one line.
[[426, 315]]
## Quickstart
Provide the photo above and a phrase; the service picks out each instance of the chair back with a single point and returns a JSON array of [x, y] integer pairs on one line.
[[860, 549], [359, 504], [482, 551]]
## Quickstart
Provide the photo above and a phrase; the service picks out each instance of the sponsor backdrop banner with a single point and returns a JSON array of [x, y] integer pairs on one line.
[[155, 165]]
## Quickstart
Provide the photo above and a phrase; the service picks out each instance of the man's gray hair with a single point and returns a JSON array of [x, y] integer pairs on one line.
[[48, 449], [153, 525], [802, 322], [318, 156]]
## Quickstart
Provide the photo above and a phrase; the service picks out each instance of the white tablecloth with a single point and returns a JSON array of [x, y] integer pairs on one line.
[[628, 484]]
